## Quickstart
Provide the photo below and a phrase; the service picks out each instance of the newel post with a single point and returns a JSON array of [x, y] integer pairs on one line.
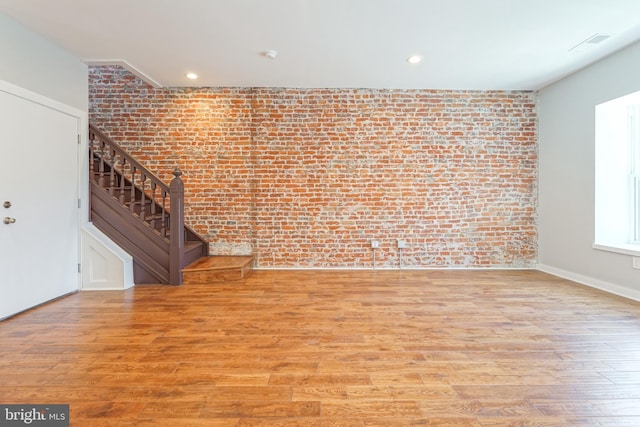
[[176, 218]]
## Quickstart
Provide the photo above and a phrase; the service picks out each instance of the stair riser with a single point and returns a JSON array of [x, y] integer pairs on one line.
[[216, 269], [215, 276]]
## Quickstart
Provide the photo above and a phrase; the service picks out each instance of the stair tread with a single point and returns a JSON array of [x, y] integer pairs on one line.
[[219, 262]]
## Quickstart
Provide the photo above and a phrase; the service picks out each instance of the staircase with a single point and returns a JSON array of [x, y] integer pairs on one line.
[[145, 217]]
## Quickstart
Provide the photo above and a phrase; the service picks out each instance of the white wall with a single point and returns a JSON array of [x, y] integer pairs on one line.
[[566, 174], [34, 63], [31, 62]]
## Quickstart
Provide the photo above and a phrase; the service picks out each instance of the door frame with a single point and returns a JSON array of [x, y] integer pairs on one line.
[[82, 159]]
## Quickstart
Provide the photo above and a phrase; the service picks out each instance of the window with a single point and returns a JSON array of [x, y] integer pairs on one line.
[[617, 189]]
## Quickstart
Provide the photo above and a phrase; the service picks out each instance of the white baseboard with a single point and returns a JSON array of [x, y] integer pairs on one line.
[[592, 282]]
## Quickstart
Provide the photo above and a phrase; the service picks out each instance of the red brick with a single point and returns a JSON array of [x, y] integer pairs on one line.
[[307, 177]]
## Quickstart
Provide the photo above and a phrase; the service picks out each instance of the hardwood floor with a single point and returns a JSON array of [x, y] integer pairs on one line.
[[333, 348]]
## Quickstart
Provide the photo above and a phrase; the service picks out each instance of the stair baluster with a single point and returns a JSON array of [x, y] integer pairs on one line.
[[121, 196], [143, 206], [164, 229], [110, 159], [132, 197], [101, 164], [153, 205]]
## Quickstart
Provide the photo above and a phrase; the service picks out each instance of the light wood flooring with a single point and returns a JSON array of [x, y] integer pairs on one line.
[[333, 348]]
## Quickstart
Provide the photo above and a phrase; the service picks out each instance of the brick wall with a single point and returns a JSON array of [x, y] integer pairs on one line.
[[308, 177]]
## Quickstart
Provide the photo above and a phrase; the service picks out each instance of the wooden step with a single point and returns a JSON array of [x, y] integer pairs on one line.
[[193, 251], [218, 268]]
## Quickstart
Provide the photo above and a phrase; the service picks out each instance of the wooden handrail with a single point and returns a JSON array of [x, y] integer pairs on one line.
[[158, 205]]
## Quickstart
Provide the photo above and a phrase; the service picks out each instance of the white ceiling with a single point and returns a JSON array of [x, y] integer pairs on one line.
[[466, 44]]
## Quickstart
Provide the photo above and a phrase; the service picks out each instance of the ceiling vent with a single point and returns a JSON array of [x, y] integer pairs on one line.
[[590, 43]]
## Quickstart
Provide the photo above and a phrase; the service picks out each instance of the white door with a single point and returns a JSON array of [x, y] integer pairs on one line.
[[39, 178]]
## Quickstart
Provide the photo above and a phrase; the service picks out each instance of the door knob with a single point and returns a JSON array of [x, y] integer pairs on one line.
[[9, 220], [7, 204]]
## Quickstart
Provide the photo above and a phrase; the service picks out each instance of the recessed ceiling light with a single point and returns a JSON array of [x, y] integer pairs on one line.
[[414, 59], [192, 76]]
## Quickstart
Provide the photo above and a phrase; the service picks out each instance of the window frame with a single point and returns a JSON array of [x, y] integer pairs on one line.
[[617, 175]]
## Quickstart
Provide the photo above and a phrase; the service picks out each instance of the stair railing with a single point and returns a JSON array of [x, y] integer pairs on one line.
[[142, 192]]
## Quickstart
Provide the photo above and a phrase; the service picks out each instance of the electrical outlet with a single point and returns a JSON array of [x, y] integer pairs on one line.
[[402, 244], [375, 244], [636, 262]]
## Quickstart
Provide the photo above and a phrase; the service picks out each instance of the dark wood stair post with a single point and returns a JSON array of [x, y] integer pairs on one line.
[[176, 218]]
